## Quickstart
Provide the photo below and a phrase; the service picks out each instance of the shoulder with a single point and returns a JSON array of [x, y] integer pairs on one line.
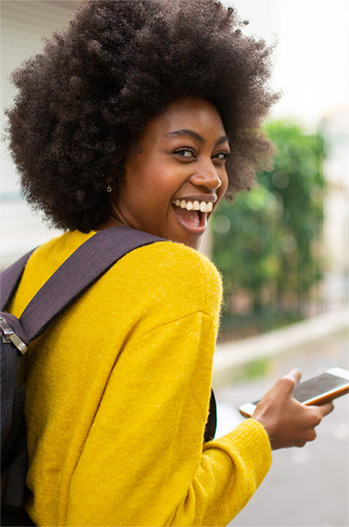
[[163, 274], [44, 261], [170, 273]]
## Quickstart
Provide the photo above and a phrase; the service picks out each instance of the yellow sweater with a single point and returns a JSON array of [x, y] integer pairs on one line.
[[117, 398]]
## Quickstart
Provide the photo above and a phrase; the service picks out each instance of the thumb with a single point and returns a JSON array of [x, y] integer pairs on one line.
[[294, 375]]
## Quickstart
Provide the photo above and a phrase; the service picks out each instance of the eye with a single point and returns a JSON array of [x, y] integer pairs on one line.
[[185, 152], [222, 156]]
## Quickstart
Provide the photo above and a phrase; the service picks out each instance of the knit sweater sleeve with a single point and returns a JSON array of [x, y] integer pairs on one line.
[[143, 461]]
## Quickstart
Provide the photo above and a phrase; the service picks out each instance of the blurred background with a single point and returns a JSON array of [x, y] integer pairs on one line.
[[282, 249]]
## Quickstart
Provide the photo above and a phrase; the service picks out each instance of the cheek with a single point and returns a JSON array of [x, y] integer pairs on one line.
[[158, 184], [151, 184], [145, 194]]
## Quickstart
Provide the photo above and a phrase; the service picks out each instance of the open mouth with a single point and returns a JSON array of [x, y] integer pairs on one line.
[[192, 215]]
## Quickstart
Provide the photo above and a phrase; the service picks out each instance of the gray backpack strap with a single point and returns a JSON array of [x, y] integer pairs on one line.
[[10, 278], [77, 273]]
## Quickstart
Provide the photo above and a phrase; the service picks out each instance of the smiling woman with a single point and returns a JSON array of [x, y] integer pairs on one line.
[[142, 113]]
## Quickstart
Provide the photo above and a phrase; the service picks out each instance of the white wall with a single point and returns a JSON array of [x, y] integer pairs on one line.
[[23, 26]]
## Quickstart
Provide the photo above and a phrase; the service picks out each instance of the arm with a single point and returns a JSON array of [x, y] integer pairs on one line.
[[143, 462]]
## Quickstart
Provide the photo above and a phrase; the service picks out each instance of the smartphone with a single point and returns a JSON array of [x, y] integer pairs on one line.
[[318, 390]]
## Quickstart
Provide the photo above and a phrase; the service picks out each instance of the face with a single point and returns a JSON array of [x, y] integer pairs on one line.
[[178, 175]]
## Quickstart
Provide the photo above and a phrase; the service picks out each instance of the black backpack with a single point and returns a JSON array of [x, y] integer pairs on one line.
[[83, 268]]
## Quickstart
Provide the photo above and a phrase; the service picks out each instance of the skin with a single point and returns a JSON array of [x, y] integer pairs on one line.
[[287, 421], [181, 154]]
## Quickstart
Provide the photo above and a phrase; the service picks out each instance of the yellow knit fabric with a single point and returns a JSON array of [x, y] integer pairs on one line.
[[117, 398]]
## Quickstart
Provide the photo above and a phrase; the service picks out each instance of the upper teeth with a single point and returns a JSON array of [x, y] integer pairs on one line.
[[202, 206]]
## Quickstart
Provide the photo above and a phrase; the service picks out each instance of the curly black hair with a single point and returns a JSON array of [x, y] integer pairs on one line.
[[83, 102]]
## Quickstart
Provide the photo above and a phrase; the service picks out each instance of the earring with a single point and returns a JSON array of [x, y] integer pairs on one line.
[[109, 189], [220, 183]]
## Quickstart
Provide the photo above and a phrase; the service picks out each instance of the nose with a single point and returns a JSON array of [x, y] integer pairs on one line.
[[207, 176]]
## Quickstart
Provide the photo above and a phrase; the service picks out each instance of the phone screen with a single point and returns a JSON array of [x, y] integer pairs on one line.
[[318, 385]]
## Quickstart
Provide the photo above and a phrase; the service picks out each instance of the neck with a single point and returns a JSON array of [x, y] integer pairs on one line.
[[116, 214], [115, 220]]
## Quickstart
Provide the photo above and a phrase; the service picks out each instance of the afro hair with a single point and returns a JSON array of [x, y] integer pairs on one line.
[[83, 101]]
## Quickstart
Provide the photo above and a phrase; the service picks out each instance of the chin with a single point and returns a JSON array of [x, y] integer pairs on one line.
[[194, 244], [188, 239]]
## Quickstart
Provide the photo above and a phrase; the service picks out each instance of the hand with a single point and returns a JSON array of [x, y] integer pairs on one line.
[[287, 421]]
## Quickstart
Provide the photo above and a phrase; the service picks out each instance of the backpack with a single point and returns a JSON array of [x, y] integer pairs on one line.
[[69, 281]]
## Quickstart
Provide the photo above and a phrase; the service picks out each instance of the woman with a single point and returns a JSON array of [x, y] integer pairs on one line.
[[141, 113]]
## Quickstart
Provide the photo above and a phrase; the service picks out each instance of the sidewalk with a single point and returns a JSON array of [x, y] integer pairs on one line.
[[236, 353], [306, 487]]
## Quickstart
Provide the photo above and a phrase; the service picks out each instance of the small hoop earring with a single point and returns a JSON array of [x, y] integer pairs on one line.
[[220, 183], [109, 189]]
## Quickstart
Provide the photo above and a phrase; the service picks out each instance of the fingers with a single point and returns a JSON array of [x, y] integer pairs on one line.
[[319, 412], [325, 409], [314, 416]]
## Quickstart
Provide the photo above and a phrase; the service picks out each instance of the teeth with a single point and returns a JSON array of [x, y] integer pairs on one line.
[[205, 207], [202, 206]]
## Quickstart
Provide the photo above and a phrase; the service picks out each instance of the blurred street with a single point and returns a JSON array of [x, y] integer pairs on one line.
[[305, 487]]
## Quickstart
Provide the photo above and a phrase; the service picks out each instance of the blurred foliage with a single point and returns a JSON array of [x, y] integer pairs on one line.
[[266, 243], [242, 373]]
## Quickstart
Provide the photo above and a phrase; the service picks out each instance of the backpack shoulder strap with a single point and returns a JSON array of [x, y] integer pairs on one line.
[[77, 273], [10, 278]]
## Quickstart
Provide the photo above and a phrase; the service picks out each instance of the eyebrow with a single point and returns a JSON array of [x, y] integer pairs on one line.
[[195, 135]]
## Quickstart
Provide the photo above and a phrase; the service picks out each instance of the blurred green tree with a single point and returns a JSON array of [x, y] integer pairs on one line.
[[266, 243]]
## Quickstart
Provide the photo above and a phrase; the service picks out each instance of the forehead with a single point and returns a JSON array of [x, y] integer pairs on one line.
[[191, 113]]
